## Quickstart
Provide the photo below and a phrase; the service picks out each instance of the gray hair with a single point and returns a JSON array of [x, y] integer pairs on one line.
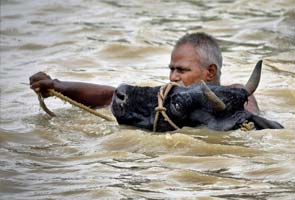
[[206, 48]]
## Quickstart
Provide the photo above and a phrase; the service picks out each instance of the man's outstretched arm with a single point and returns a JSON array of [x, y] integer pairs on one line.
[[89, 94]]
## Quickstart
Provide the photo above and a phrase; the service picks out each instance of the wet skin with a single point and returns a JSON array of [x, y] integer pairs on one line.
[[185, 66]]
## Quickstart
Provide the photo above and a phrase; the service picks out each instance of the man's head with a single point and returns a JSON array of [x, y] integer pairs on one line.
[[196, 57]]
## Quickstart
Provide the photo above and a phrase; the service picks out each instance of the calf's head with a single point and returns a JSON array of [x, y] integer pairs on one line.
[[217, 107]]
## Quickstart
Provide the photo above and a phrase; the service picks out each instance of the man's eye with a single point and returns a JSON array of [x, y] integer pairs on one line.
[[181, 70]]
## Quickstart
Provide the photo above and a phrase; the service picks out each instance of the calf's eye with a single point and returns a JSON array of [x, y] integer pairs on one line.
[[120, 96], [177, 106]]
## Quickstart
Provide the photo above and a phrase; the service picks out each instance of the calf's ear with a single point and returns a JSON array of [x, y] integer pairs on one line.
[[262, 123]]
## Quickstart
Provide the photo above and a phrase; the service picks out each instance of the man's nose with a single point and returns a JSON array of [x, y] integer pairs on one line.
[[174, 76]]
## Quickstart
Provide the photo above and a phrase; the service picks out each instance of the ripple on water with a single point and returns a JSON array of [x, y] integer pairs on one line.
[[79, 156]]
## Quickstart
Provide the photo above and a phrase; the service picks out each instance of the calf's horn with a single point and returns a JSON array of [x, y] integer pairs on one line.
[[216, 102], [254, 79]]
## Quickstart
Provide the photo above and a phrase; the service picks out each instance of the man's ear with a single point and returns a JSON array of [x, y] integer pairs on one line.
[[211, 72]]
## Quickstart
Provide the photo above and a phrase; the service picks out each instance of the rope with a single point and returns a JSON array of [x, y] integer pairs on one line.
[[247, 126], [52, 92], [162, 94], [43, 105]]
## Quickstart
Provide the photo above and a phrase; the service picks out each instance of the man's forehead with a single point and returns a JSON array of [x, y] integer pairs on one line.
[[186, 47], [182, 61], [185, 51]]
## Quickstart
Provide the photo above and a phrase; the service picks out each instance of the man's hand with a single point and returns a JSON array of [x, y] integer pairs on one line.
[[89, 94], [41, 82]]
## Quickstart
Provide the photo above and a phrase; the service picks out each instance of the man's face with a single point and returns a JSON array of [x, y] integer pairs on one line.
[[185, 65]]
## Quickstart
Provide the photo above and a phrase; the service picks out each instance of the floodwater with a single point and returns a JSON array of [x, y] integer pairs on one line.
[[79, 156]]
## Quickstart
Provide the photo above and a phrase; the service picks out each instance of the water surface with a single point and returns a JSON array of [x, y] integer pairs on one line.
[[79, 156]]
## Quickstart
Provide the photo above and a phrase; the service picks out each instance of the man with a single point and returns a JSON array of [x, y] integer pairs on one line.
[[195, 57]]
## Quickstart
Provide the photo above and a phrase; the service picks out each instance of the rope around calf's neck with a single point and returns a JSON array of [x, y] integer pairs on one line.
[[52, 92], [162, 94]]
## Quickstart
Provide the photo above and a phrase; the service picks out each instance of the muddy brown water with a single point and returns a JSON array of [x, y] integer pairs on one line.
[[79, 156]]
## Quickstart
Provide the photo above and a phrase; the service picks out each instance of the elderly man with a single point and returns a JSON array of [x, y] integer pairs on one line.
[[195, 57]]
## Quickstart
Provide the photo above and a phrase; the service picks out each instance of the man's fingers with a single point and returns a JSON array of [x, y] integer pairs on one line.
[[38, 76], [42, 87], [35, 87]]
